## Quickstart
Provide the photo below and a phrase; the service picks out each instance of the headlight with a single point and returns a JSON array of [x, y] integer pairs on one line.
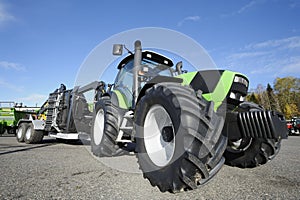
[[236, 96], [239, 79]]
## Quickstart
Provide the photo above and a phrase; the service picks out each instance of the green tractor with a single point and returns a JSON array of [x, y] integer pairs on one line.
[[6, 117], [184, 125], [10, 114]]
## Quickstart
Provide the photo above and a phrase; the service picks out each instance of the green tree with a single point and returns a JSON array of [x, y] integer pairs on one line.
[[285, 97], [287, 90], [253, 97], [263, 98], [290, 111], [273, 100]]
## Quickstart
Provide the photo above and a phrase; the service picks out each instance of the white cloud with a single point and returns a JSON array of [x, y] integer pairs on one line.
[[246, 55], [4, 14], [30, 100], [11, 65], [294, 4], [246, 7], [243, 9], [280, 67], [33, 99], [269, 59], [292, 66], [7, 85], [285, 43], [190, 18]]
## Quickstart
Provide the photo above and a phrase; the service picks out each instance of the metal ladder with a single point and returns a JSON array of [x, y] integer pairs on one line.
[[124, 128], [51, 110]]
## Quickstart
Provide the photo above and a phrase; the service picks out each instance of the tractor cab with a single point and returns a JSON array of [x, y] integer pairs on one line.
[[152, 65]]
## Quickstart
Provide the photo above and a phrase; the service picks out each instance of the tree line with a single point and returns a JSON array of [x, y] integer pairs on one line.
[[284, 96]]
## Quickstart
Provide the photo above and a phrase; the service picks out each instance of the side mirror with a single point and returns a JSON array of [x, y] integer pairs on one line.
[[179, 67], [117, 49]]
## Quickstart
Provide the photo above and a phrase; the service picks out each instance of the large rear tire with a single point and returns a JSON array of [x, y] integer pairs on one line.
[[33, 136], [21, 132], [251, 152], [178, 137], [105, 129]]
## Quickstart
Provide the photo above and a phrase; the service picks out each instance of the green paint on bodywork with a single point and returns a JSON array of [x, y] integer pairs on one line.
[[220, 92], [217, 96], [121, 99], [187, 77], [7, 116]]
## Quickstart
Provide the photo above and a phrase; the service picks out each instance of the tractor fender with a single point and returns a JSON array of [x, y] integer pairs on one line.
[[158, 79]]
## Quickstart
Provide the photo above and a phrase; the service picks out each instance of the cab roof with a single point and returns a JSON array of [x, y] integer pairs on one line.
[[149, 55]]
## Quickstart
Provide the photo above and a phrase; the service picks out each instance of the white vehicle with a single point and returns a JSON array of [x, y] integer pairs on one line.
[[62, 109]]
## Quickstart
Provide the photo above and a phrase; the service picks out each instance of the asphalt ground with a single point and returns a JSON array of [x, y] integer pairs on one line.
[[54, 170]]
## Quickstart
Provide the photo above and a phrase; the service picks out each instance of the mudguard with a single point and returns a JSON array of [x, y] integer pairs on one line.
[[219, 86]]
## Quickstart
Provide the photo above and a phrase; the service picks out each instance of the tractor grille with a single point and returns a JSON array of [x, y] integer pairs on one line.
[[262, 124]]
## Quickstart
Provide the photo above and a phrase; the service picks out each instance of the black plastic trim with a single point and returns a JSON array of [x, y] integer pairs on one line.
[[257, 124]]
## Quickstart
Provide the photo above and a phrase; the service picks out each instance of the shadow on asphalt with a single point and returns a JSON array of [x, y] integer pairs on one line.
[[21, 147], [7, 135], [45, 143], [26, 148]]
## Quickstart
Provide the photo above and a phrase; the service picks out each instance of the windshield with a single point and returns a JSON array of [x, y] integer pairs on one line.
[[147, 71], [155, 69], [125, 76]]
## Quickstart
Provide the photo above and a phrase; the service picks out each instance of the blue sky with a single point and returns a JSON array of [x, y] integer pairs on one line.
[[43, 43]]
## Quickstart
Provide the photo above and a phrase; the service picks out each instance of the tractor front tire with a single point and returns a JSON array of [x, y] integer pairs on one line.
[[179, 143], [105, 129], [251, 152], [33, 136]]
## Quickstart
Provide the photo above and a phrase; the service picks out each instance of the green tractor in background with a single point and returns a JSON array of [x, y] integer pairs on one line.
[[10, 114], [184, 125]]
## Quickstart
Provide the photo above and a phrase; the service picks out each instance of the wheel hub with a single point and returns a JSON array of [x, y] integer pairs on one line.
[[167, 134], [159, 137]]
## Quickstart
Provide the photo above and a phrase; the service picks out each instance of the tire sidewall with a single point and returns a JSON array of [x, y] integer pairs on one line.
[[99, 105], [259, 150], [22, 127], [199, 144], [29, 139], [143, 107]]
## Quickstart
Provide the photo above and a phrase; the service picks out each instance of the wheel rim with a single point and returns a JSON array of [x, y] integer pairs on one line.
[[240, 145], [19, 133], [159, 136], [98, 127], [28, 133]]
